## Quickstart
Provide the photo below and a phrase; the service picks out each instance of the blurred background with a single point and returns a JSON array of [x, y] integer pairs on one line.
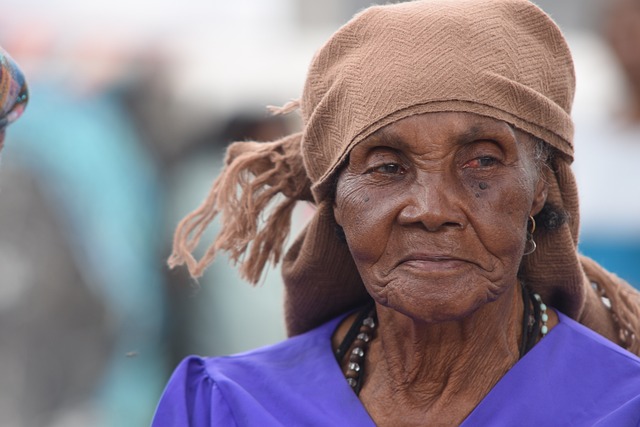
[[132, 104]]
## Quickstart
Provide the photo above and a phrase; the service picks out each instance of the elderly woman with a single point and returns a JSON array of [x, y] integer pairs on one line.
[[438, 282], [13, 93]]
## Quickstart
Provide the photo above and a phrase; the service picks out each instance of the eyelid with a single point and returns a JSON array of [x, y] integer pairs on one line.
[[483, 148], [385, 160], [377, 168], [379, 155]]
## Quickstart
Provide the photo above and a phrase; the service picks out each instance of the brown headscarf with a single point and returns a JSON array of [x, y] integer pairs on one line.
[[503, 59]]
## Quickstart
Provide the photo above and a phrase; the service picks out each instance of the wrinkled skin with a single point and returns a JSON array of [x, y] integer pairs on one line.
[[434, 208]]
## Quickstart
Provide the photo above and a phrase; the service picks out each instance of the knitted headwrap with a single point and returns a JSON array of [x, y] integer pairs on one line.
[[503, 59], [13, 91]]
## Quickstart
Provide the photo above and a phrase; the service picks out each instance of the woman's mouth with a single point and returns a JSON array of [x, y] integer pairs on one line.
[[433, 263]]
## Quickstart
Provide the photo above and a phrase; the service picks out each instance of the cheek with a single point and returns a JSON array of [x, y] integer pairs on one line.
[[366, 219], [498, 212]]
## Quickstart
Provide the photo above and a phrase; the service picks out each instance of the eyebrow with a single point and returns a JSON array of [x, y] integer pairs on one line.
[[478, 130], [384, 136]]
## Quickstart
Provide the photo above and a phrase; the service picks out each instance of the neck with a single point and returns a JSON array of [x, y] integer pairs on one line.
[[441, 370]]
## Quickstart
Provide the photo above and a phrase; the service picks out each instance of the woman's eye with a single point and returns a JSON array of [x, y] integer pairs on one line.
[[481, 162], [389, 168]]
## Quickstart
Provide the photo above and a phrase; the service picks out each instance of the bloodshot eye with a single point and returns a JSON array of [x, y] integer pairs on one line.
[[481, 162]]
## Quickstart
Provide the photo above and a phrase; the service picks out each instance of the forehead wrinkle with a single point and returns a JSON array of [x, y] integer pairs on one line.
[[390, 136], [478, 129], [385, 136]]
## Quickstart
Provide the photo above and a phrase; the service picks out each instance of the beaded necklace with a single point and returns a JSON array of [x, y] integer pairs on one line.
[[362, 330], [357, 340]]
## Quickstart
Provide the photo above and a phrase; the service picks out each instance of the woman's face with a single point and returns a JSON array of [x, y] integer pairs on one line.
[[435, 207]]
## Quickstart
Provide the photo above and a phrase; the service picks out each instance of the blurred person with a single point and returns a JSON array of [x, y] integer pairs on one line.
[[39, 322], [609, 136], [438, 282], [81, 297]]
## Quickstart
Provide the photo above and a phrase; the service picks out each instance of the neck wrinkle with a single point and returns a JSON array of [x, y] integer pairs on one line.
[[446, 367]]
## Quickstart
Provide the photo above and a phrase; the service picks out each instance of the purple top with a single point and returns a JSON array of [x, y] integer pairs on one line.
[[572, 377]]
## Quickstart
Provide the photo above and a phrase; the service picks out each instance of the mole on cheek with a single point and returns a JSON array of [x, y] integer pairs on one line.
[[483, 185], [366, 199]]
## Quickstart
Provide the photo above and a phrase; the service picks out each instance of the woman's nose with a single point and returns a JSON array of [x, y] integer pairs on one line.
[[434, 205]]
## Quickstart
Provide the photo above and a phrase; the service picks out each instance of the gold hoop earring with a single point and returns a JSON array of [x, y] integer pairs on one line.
[[530, 241]]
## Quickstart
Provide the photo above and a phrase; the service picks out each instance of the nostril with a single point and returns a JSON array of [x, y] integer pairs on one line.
[[432, 214], [436, 224], [452, 224]]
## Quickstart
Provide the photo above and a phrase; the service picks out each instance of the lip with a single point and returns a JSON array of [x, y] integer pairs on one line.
[[433, 262]]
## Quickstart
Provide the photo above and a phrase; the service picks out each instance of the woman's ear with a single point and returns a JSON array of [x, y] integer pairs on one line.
[[541, 192], [337, 217], [337, 213]]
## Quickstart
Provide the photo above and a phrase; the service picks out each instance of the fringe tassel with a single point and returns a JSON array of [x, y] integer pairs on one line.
[[254, 175], [287, 108], [624, 303]]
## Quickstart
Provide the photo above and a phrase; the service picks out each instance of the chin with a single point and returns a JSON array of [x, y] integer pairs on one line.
[[437, 306]]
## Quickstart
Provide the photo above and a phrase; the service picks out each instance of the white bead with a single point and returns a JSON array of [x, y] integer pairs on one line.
[[545, 317], [364, 337], [544, 330], [543, 307]]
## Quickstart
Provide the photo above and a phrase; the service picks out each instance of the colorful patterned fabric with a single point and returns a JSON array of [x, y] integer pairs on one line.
[[13, 91]]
